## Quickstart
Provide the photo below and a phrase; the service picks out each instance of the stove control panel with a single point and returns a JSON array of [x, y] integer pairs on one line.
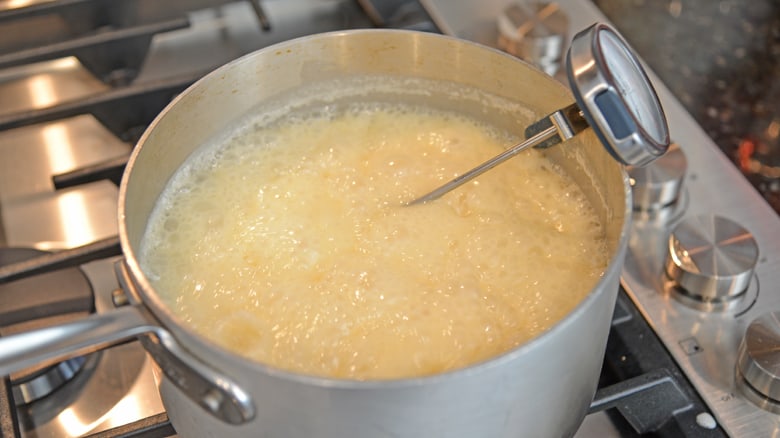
[[701, 255]]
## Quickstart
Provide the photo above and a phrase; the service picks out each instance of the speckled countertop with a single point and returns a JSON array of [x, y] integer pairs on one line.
[[722, 60]]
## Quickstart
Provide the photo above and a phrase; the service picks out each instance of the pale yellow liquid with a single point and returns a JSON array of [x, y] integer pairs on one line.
[[291, 245]]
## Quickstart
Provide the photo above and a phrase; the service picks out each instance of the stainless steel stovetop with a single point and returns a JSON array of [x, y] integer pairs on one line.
[[60, 113]]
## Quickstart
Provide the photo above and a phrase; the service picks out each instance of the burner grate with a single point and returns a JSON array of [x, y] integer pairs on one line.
[[64, 259], [643, 386], [110, 39], [123, 110], [156, 426]]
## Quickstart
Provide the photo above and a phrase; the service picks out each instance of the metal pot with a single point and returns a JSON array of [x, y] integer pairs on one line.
[[542, 388]]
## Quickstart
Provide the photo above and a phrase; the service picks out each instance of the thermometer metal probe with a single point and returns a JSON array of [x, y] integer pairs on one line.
[[613, 96]]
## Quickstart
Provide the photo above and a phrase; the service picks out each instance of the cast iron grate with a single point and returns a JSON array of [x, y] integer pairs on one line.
[[643, 390]]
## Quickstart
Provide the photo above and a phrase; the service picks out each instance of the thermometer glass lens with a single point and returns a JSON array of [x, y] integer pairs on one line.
[[630, 82]]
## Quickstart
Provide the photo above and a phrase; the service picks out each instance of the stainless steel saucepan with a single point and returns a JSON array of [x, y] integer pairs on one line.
[[540, 389]]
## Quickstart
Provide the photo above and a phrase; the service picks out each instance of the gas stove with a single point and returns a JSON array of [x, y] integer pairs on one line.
[[690, 351]]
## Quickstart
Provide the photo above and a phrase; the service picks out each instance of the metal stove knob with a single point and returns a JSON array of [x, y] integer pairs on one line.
[[658, 185], [711, 260], [758, 362], [535, 32]]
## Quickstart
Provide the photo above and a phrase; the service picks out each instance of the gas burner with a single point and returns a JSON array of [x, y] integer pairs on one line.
[[30, 303], [38, 384], [84, 394]]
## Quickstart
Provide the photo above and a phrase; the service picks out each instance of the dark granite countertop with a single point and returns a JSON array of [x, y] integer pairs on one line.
[[721, 58]]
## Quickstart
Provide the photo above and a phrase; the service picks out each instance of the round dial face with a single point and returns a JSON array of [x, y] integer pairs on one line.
[[616, 96], [630, 82]]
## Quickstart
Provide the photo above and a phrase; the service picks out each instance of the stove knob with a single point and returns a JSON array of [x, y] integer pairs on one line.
[[658, 184], [758, 362], [535, 32], [711, 260]]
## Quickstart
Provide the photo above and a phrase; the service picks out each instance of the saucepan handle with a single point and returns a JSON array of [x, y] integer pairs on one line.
[[214, 392], [47, 346]]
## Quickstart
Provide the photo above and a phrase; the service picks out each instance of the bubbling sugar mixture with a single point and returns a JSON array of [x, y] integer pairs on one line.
[[289, 244]]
